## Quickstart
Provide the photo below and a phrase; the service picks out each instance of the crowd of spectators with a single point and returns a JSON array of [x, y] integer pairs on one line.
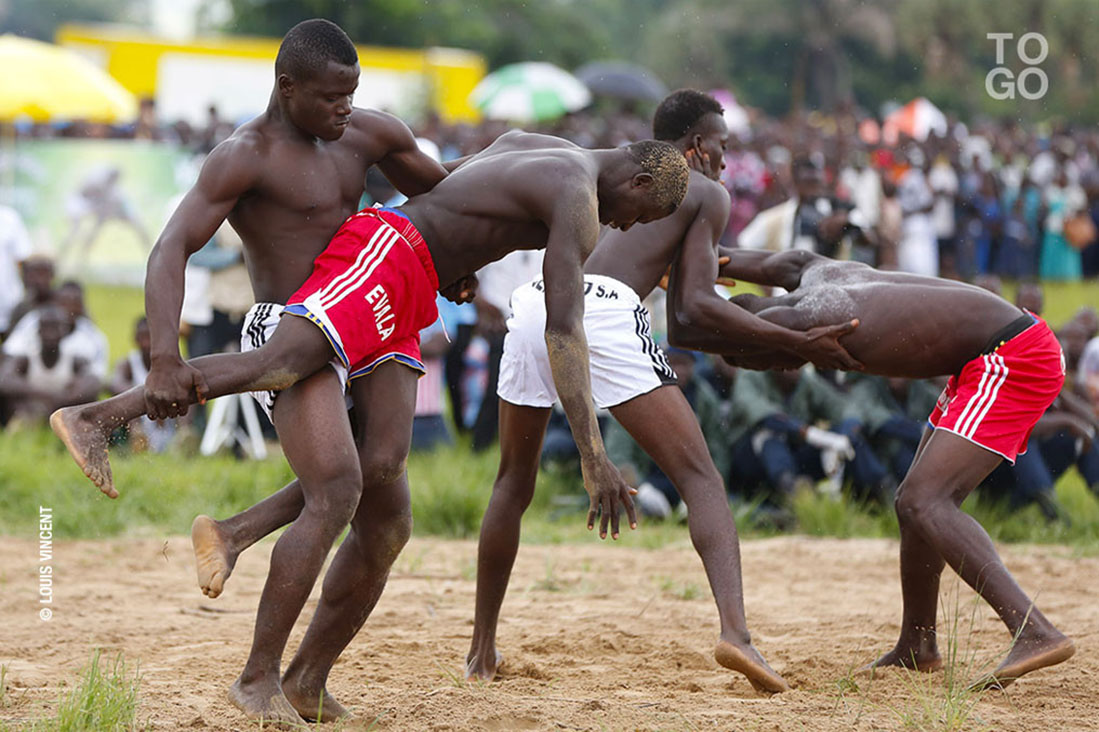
[[977, 202]]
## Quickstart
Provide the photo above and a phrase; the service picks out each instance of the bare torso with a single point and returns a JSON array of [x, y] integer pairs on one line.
[[305, 190], [909, 326], [517, 174]]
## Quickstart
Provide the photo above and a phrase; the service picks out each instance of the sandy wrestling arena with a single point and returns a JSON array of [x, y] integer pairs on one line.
[[595, 637]]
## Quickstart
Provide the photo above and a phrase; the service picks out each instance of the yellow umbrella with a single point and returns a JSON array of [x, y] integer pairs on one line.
[[45, 82]]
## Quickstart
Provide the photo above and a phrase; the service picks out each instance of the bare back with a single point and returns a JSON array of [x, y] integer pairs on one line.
[[521, 175], [909, 326]]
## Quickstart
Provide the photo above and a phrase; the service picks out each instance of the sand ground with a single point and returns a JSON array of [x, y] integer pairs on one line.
[[595, 637]]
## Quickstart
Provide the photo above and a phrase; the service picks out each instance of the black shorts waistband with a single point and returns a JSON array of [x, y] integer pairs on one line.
[[1009, 331]]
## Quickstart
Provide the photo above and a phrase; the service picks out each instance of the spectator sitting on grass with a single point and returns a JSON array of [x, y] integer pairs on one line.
[[131, 370], [50, 373], [83, 335], [776, 447], [894, 412]]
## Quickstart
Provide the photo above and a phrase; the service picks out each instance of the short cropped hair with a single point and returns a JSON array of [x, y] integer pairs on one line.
[[667, 166], [680, 111], [309, 46]]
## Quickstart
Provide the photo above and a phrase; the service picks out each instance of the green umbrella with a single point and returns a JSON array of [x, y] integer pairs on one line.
[[529, 92]]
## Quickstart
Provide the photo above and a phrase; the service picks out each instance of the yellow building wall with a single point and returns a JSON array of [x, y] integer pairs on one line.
[[132, 57]]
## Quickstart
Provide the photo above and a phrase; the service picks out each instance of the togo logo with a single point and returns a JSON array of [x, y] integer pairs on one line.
[[1032, 82]]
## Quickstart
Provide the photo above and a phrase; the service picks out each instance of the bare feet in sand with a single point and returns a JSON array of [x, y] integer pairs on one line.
[[87, 443], [317, 706], [1026, 656], [747, 660], [213, 559], [926, 659], [483, 667], [268, 705]]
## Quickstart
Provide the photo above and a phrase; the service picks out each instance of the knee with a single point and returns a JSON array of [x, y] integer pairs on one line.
[[337, 495], [914, 507], [382, 466]]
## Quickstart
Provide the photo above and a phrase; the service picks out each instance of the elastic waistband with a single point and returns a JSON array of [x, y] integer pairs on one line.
[[600, 287], [403, 225], [392, 210], [1009, 331]]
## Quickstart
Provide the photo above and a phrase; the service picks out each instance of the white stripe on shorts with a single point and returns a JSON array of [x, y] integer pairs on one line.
[[992, 379], [350, 278], [993, 393]]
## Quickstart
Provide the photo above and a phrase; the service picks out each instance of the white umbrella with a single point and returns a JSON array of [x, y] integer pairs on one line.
[[917, 119], [529, 92]]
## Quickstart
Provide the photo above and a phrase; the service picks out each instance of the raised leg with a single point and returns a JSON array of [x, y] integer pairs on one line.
[[385, 402], [316, 437], [522, 430], [217, 544], [297, 349], [665, 427]]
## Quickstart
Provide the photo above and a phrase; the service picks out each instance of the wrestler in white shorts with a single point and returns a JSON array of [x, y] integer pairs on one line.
[[259, 324], [625, 362]]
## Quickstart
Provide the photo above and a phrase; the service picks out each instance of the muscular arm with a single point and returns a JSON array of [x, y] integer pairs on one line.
[[574, 229], [701, 319], [408, 168], [229, 172], [771, 269]]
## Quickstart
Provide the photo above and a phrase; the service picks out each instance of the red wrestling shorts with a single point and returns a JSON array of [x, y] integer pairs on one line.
[[998, 397], [372, 290]]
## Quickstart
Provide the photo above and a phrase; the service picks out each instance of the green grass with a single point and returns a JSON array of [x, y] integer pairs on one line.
[[104, 699], [450, 489]]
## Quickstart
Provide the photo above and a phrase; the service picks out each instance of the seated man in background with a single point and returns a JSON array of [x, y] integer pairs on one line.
[[776, 444], [84, 336], [130, 371], [1007, 369], [48, 371], [893, 412]]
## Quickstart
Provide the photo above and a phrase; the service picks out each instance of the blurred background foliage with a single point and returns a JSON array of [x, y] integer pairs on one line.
[[779, 55]]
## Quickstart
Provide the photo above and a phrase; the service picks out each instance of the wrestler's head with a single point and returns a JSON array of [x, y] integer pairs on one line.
[[316, 73], [693, 122], [648, 183]]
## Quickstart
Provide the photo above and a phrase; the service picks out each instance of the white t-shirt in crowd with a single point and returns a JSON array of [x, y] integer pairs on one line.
[[86, 340]]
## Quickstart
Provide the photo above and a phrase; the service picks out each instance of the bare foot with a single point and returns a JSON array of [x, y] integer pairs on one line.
[[267, 705], [87, 443], [746, 660], [926, 660], [314, 707], [1027, 656], [213, 559], [479, 668]]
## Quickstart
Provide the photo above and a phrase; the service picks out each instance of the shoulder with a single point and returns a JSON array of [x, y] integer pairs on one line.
[[241, 155], [707, 195], [373, 126]]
